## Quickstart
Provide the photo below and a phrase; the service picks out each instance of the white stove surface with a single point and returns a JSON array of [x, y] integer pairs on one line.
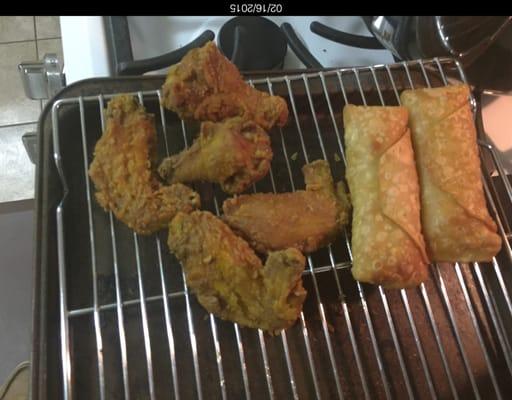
[[152, 36], [86, 54], [84, 48]]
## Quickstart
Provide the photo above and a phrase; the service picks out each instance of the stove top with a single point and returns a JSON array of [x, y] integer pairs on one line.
[[152, 36], [86, 52]]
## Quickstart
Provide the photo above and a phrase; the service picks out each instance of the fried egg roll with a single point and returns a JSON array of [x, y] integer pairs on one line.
[[387, 243], [456, 223]]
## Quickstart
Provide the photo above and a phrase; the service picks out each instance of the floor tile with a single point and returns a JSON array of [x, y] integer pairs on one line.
[[15, 107], [47, 27], [13, 29], [16, 169], [50, 46]]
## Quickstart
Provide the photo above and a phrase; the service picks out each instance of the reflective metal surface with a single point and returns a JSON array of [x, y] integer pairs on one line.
[[130, 326]]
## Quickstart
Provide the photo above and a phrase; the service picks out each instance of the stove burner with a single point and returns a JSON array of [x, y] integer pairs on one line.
[[252, 43]]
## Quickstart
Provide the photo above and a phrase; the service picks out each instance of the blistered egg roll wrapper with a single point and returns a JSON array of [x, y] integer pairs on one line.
[[456, 223], [387, 243]]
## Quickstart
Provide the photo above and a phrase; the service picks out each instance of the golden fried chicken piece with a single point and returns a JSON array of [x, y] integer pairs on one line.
[[234, 153], [206, 86], [228, 278], [305, 219], [121, 171]]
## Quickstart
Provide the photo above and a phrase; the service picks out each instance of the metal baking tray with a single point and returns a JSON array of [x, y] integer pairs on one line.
[[113, 318]]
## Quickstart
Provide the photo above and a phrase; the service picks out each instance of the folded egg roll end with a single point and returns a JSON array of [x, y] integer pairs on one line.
[[400, 275], [458, 235]]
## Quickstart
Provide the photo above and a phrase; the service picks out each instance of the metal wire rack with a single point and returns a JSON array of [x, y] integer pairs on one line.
[[131, 329]]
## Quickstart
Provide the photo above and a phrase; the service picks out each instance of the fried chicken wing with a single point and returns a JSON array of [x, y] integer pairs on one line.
[[206, 86], [228, 278], [234, 153], [121, 171], [305, 219]]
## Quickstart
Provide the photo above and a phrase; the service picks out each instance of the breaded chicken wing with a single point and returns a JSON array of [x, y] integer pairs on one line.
[[234, 153], [206, 86], [121, 171], [305, 219], [228, 278]]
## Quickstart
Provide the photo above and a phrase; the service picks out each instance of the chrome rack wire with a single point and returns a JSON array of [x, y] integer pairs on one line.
[[131, 329]]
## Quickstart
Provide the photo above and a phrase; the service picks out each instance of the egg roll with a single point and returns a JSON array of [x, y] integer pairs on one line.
[[456, 223], [387, 244]]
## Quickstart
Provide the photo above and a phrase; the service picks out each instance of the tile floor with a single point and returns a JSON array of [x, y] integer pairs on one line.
[[25, 38]]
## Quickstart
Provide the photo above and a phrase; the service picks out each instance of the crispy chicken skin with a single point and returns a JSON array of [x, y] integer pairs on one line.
[[206, 86], [234, 153], [228, 278], [305, 219], [121, 171]]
